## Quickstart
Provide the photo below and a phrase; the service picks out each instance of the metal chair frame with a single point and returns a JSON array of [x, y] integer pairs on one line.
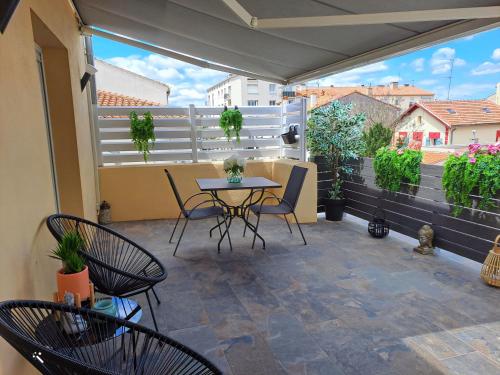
[[108, 279], [190, 214]]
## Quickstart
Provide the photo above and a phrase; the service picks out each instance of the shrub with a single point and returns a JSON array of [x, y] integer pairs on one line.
[[475, 171], [376, 137], [335, 133], [394, 166]]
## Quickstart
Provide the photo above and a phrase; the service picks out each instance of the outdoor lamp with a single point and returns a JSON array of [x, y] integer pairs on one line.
[[90, 70]]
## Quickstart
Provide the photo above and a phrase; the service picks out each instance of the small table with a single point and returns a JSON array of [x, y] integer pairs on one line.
[[254, 184]]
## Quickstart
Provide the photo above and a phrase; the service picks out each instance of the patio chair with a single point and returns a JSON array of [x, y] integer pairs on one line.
[[39, 331], [285, 205], [117, 266], [198, 213]]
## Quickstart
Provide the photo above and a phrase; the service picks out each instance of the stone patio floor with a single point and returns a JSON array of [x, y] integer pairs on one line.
[[344, 304]]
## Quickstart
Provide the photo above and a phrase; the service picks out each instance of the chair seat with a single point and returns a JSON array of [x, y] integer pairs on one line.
[[205, 212], [278, 209]]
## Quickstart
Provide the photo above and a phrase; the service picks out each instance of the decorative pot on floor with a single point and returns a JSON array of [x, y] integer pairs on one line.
[[104, 217], [334, 209], [490, 273], [76, 283]]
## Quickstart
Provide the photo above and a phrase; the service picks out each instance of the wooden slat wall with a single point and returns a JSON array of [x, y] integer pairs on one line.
[[193, 134], [471, 234]]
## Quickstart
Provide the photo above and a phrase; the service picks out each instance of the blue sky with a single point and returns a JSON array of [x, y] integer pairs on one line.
[[476, 69]]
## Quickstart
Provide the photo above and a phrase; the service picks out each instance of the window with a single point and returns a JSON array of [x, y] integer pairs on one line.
[[419, 120], [272, 102], [253, 88], [486, 110], [272, 89], [435, 138], [253, 103], [451, 111]]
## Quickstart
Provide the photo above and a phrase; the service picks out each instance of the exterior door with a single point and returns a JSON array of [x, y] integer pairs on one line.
[[46, 110]]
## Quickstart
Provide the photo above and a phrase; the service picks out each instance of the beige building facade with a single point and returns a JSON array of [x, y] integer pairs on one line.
[[46, 159]]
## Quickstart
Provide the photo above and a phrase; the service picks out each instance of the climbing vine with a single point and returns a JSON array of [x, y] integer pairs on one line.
[[474, 172], [395, 166]]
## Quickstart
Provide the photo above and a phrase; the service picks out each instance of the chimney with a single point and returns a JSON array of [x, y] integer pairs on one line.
[[313, 99], [497, 95], [393, 85]]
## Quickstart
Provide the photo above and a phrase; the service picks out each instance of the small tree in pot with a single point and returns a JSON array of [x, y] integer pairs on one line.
[[336, 134]]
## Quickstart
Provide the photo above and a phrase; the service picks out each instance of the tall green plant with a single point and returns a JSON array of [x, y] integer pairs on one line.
[[231, 121], [335, 133], [376, 137], [142, 132], [67, 253], [474, 172], [393, 167]]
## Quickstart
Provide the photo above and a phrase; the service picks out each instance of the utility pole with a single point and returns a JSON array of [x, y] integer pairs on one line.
[[452, 62]]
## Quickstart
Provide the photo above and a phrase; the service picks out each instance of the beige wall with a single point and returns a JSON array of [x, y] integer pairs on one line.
[[143, 192], [26, 195], [462, 135], [428, 124]]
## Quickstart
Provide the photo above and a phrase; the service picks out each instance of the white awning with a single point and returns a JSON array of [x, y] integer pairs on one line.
[[255, 37]]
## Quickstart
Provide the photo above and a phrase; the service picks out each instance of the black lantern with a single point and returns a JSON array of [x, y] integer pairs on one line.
[[289, 136], [377, 227]]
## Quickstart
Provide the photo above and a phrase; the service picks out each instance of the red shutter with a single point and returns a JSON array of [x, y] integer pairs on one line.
[[434, 135], [418, 136], [403, 134], [498, 135]]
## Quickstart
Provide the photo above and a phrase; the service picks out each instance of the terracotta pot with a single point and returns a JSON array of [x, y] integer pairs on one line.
[[73, 283]]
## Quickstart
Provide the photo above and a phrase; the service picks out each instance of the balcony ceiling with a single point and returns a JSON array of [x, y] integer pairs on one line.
[[210, 30]]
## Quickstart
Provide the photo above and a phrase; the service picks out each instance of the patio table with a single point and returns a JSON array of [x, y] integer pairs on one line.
[[255, 185]]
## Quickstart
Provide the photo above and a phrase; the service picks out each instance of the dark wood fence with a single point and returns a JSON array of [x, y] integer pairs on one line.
[[471, 234]]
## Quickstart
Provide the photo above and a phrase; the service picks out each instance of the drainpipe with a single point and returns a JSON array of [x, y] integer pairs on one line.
[[92, 100]]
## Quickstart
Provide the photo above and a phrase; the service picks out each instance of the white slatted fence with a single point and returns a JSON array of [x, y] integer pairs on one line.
[[193, 134]]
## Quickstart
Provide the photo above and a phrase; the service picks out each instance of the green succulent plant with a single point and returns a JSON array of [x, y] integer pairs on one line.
[[67, 253]]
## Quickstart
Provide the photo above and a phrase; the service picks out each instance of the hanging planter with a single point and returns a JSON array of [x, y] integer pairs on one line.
[[378, 227], [142, 132], [290, 136], [231, 121]]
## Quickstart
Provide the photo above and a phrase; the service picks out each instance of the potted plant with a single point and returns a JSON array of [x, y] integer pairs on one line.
[[336, 135], [73, 277], [231, 121], [142, 132], [234, 167]]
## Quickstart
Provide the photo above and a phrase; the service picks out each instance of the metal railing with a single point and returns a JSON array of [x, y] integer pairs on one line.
[[192, 134]]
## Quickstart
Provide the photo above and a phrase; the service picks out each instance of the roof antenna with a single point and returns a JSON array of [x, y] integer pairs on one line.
[[452, 62]]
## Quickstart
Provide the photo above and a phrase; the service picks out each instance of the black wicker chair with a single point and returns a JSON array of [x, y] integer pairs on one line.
[[286, 205], [39, 331], [198, 213], [117, 266]]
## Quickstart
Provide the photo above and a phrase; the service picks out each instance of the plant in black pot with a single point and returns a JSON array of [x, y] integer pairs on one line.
[[335, 135]]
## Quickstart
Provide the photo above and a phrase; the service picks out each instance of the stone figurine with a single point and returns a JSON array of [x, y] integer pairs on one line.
[[425, 237]]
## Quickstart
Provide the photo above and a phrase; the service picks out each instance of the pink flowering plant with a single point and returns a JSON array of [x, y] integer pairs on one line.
[[474, 172], [394, 166]]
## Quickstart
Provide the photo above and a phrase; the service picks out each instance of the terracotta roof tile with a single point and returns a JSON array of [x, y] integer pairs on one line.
[[107, 98], [463, 112], [335, 92]]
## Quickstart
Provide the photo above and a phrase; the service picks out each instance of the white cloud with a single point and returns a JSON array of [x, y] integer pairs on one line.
[[418, 64], [428, 82], [496, 54], [388, 79], [486, 68], [442, 59], [188, 83], [471, 90], [352, 77]]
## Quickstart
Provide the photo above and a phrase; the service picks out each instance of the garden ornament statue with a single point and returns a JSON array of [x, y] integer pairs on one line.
[[425, 237]]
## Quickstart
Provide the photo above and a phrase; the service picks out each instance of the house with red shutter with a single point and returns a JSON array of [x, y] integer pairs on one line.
[[452, 122]]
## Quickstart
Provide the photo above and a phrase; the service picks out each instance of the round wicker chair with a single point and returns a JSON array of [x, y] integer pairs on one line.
[[39, 331], [117, 266]]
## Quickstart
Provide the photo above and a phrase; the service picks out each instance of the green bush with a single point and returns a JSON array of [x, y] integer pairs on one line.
[[475, 172], [376, 137], [335, 133], [393, 167]]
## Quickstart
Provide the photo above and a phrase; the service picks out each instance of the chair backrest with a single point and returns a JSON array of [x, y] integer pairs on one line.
[[59, 339], [116, 264], [294, 185], [176, 192]]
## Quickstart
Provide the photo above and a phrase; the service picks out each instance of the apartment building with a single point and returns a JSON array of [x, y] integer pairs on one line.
[[243, 91]]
